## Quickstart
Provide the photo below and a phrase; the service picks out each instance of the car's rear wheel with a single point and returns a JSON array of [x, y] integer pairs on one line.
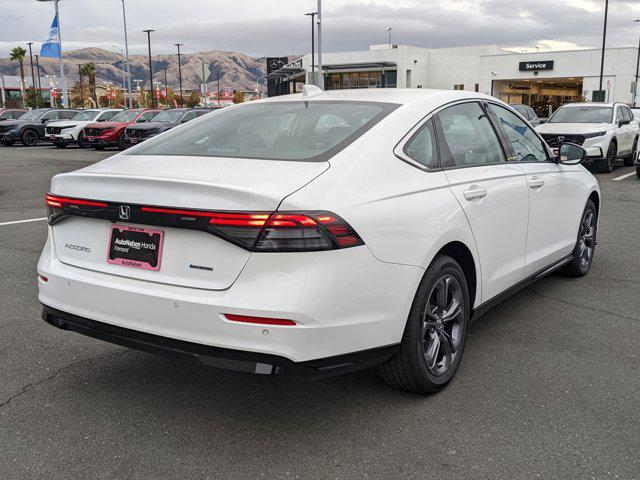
[[436, 331], [631, 159], [638, 171], [609, 162], [29, 138], [586, 243]]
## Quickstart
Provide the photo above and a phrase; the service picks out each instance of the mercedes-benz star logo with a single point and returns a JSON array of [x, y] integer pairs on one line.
[[124, 212]]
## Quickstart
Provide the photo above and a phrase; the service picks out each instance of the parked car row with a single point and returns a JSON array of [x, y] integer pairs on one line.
[[97, 128]]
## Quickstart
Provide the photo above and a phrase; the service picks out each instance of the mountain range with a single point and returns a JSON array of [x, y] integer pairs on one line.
[[236, 71]]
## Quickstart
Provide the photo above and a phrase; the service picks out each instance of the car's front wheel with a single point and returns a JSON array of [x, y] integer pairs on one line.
[[29, 138], [122, 145], [609, 162], [586, 243], [435, 333]]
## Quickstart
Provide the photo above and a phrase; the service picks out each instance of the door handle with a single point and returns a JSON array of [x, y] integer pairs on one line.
[[475, 192], [536, 182]]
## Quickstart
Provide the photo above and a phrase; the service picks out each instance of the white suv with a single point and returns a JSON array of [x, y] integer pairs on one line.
[[63, 133], [607, 131]]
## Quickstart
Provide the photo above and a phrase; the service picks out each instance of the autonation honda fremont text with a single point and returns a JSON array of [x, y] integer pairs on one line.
[[318, 233]]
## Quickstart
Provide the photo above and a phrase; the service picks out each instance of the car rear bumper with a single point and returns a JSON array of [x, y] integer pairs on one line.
[[343, 301], [224, 358]]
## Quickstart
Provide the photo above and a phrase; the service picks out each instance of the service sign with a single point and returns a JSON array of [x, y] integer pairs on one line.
[[537, 65]]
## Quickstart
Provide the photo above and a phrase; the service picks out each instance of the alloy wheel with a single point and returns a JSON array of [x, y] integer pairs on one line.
[[30, 137], [611, 157], [587, 241], [442, 325]]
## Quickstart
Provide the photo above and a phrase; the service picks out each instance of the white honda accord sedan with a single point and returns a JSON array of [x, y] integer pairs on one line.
[[317, 233]]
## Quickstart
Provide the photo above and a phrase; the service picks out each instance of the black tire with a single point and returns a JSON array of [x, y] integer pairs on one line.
[[630, 161], [29, 138], [121, 143], [61, 144], [81, 143], [638, 171], [608, 163], [408, 369], [7, 143], [586, 243]]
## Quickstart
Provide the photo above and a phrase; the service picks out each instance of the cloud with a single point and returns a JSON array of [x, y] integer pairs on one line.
[[280, 27]]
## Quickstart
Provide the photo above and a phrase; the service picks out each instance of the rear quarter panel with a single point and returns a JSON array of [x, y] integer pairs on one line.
[[405, 215]]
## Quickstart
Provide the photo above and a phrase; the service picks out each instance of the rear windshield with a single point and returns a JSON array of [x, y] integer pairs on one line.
[[583, 114], [126, 116], [304, 131]]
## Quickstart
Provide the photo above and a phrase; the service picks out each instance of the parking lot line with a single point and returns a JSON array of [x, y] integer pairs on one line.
[[626, 175], [23, 221]]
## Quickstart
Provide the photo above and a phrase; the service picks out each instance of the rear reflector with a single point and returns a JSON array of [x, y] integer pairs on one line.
[[260, 320], [43, 278]]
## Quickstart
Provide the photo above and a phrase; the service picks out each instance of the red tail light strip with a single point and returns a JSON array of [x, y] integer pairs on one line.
[[254, 231], [259, 320], [58, 202]]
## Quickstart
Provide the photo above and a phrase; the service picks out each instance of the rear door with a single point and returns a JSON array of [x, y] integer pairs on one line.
[[624, 132], [553, 193], [491, 190]]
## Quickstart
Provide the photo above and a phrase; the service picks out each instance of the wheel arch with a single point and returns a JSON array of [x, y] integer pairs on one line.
[[595, 198], [462, 254]]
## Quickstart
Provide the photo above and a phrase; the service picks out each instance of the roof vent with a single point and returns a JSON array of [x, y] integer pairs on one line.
[[310, 91]]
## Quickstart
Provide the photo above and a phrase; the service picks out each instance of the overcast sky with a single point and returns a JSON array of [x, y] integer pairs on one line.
[[276, 27]]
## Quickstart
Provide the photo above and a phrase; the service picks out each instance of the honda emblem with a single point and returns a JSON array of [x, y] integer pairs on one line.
[[124, 212]]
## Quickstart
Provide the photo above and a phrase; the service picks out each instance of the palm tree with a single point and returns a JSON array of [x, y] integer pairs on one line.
[[88, 70], [17, 54]]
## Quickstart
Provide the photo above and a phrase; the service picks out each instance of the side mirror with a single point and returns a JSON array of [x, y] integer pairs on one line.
[[571, 154], [44, 120], [622, 122]]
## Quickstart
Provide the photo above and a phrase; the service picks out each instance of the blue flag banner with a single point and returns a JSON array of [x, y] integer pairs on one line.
[[51, 46]]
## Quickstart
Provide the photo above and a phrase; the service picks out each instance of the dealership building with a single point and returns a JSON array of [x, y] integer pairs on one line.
[[543, 80]]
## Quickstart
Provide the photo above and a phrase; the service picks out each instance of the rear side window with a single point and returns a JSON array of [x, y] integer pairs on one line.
[[298, 130], [626, 113], [422, 146], [468, 139]]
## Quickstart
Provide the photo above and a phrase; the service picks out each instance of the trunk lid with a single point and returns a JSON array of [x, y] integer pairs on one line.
[[190, 258]]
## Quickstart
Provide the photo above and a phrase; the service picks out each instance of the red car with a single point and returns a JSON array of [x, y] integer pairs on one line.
[[109, 134]]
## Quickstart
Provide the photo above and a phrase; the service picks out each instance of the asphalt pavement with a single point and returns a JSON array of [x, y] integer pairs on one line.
[[548, 387]]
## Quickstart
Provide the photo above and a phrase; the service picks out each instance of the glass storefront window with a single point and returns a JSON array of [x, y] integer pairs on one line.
[[368, 79]]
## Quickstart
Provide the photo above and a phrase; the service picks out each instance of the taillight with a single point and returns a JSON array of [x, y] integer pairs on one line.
[[58, 206], [258, 231], [306, 231]]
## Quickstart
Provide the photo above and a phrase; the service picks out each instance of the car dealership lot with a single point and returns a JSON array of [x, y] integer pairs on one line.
[[548, 387]]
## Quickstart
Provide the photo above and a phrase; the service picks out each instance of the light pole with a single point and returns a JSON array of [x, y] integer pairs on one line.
[[313, 28], [39, 84], [124, 85], [637, 65], [81, 86], [33, 78], [148, 32], [65, 101], [604, 39], [180, 72], [258, 85], [320, 74], [126, 52], [389, 32], [166, 88]]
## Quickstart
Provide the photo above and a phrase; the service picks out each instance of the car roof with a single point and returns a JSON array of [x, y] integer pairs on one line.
[[402, 96], [591, 104]]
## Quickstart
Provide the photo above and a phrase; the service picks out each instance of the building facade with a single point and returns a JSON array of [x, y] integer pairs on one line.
[[543, 80]]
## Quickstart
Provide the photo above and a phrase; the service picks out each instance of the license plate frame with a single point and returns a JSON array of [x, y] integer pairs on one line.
[[132, 251]]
